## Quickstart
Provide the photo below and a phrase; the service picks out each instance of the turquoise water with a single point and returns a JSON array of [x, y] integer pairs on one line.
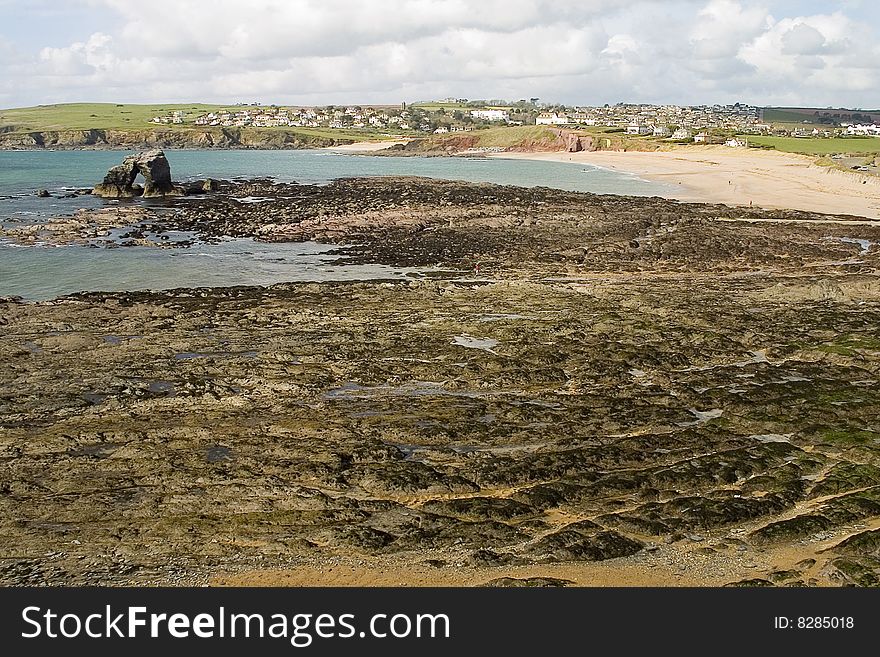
[[22, 173], [41, 272]]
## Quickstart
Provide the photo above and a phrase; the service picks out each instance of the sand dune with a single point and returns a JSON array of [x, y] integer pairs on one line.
[[718, 174]]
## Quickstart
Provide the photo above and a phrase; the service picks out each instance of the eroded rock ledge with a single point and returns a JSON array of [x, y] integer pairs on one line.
[[667, 399]]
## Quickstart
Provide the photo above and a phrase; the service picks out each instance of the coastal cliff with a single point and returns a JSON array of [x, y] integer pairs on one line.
[[230, 138], [524, 139]]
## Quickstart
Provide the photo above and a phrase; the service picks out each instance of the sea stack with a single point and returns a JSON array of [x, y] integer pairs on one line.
[[152, 165]]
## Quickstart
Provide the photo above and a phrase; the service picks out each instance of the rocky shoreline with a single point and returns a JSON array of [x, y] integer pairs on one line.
[[219, 138], [595, 389]]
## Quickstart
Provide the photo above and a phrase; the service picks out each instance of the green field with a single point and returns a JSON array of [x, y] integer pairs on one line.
[[98, 116], [111, 116], [779, 115], [433, 107], [796, 115], [808, 146], [508, 136]]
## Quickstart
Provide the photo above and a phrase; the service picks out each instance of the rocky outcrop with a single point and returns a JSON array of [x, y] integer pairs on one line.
[[575, 143], [152, 165], [321, 423], [549, 140], [220, 138]]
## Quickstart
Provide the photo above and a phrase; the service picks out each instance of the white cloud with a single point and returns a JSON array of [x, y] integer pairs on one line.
[[264, 29], [803, 40], [829, 53], [81, 58], [722, 27], [314, 51]]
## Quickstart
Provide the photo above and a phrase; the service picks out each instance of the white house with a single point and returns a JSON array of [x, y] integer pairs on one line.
[[490, 114], [661, 131], [581, 117], [700, 138], [734, 143], [441, 130], [682, 133], [638, 129], [863, 130], [551, 118]]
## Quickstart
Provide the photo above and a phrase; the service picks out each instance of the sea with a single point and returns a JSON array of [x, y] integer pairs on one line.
[[42, 272]]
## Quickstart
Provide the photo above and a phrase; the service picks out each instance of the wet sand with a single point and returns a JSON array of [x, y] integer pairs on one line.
[[717, 174], [366, 146]]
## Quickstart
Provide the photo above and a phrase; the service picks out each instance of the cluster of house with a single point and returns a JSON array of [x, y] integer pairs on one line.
[[863, 130], [674, 122], [681, 134], [442, 130], [307, 117], [845, 130], [174, 117], [390, 118], [667, 121], [481, 115], [491, 115]]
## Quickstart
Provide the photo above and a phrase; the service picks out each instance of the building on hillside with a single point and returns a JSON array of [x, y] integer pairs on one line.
[[551, 118], [638, 129], [661, 131], [701, 138], [863, 130], [176, 116], [735, 143], [490, 114], [441, 130], [682, 133], [581, 117]]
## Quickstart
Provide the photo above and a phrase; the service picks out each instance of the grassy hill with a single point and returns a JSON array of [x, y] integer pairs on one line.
[[505, 137], [849, 145], [94, 116], [528, 138], [72, 117], [431, 106], [802, 115]]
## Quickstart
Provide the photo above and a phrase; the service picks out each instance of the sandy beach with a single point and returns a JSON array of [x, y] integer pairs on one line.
[[365, 146], [717, 174]]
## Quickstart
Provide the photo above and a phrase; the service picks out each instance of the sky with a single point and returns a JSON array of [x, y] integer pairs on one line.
[[317, 52]]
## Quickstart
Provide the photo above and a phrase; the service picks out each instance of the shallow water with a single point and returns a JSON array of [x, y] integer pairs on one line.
[[470, 342], [864, 245], [22, 173], [41, 272]]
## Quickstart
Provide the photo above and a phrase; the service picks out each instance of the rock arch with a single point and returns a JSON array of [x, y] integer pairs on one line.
[[152, 165]]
